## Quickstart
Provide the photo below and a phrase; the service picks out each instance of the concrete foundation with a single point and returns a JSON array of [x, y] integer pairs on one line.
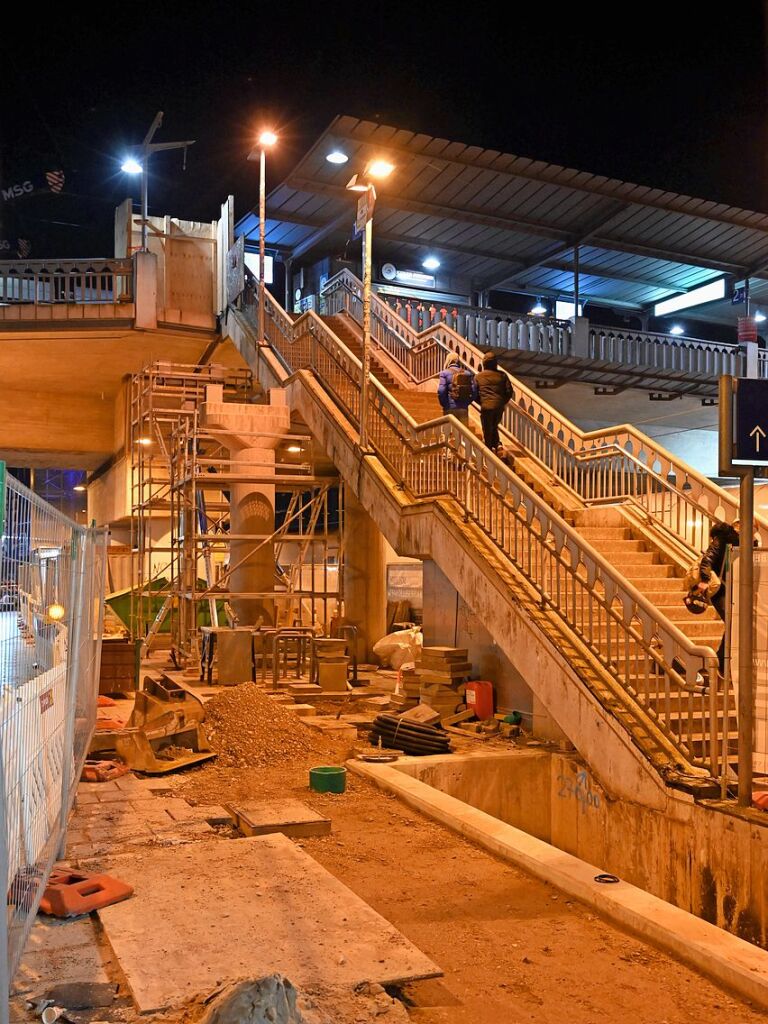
[[707, 860]]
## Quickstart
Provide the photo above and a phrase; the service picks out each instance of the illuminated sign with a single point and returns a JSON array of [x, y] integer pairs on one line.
[[252, 262], [707, 293], [415, 277]]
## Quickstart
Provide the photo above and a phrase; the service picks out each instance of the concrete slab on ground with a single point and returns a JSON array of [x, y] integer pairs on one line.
[[259, 905], [293, 818]]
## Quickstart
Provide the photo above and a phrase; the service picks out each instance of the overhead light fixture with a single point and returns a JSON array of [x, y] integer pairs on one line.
[[294, 449], [267, 138], [55, 612], [698, 296], [759, 318], [379, 169], [431, 263], [337, 157], [677, 329], [144, 441], [539, 309], [79, 487], [131, 166]]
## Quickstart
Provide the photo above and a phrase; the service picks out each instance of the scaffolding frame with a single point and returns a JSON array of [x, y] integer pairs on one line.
[[184, 475]]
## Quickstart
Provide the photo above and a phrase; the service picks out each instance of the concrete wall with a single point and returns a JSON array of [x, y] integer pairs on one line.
[[449, 620], [703, 858]]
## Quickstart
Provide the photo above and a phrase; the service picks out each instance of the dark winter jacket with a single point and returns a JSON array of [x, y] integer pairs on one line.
[[493, 387], [720, 536], [444, 389]]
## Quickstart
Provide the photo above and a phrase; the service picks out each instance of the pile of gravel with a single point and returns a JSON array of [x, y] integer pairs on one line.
[[247, 729]]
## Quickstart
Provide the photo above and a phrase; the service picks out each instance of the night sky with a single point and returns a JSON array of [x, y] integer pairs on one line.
[[660, 94]]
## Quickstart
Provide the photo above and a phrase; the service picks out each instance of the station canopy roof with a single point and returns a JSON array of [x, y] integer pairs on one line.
[[512, 224]]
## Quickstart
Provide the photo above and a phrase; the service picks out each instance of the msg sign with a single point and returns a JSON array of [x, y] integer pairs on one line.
[[751, 427]]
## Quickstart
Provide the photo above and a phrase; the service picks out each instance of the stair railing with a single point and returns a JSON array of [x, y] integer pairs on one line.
[[558, 443], [647, 657]]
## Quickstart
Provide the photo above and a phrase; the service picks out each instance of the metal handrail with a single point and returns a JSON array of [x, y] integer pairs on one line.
[[647, 656], [554, 439]]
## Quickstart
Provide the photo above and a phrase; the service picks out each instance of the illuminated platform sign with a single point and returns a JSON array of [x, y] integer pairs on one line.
[[751, 423]]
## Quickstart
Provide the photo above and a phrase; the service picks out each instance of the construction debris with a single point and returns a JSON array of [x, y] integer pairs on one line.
[[103, 771], [247, 729]]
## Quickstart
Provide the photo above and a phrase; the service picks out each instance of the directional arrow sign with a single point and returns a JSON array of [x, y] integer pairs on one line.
[[751, 423], [757, 433]]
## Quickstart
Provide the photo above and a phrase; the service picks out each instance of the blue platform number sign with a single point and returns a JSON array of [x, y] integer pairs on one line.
[[751, 426]]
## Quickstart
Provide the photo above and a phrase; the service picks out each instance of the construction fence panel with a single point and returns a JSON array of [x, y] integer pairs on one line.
[[52, 575]]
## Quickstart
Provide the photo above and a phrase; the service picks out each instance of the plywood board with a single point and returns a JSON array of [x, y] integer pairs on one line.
[[293, 818], [248, 907]]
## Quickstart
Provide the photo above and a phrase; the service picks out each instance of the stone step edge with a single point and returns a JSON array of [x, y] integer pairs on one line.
[[727, 959]]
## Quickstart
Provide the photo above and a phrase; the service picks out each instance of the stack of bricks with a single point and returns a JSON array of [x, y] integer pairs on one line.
[[443, 673]]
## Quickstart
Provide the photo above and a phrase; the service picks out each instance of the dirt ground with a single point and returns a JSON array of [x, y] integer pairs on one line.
[[513, 948]]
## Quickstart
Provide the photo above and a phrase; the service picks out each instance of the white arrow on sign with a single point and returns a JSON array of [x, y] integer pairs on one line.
[[757, 433]]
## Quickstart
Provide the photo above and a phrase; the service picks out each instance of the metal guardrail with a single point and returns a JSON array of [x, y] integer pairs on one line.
[[599, 466], [52, 574], [647, 656], [49, 282]]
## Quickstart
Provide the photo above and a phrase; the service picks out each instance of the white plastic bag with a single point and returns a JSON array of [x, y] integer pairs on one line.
[[395, 649]]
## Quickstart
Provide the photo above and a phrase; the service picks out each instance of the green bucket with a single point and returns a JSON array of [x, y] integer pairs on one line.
[[328, 780]]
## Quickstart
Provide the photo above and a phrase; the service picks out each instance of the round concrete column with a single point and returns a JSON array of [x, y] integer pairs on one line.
[[365, 576], [252, 434], [252, 511]]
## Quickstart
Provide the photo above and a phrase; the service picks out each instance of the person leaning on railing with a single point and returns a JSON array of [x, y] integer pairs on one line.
[[713, 561], [494, 392]]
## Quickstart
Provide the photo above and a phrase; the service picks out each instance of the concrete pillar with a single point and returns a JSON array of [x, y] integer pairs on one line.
[[365, 576], [750, 350], [145, 284], [254, 431], [449, 621], [580, 337]]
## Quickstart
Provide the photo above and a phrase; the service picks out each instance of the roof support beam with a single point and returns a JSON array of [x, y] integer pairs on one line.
[[489, 160], [468, 216]]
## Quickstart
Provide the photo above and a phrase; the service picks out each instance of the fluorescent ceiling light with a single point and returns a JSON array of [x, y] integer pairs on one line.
[[431, 263], [131, 166], [707, 293], [677, 329], [538, 310], [337, 157], [759, 318]]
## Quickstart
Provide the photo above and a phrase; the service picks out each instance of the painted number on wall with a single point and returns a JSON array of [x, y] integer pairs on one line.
[[581, 791]]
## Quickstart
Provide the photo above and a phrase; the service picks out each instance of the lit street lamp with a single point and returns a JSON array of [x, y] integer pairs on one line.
[[378, 169], [137, 162], [266, 141]]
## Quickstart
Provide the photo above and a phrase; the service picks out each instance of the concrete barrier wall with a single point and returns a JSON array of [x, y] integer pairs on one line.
[[709, 860]]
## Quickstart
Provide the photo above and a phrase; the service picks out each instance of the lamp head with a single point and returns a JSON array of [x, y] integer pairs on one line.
[[131, 166], [267, 139]]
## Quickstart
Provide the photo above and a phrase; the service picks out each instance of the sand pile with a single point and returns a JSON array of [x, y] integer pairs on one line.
[[247, 729]]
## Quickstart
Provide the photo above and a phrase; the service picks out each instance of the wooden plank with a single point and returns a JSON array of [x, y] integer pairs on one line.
[[292, 818], [249, 907]]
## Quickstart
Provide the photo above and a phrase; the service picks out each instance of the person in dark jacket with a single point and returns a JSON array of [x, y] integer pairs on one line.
[[494, 391], [713, 560], [457, 389]]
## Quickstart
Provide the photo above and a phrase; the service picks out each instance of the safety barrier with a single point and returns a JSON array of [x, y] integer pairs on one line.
[[52, 575], [647, 656], [49, 282]]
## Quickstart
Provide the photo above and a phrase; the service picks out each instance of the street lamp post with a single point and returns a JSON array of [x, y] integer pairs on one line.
[[138, 163], [267, 139], [376, 169]]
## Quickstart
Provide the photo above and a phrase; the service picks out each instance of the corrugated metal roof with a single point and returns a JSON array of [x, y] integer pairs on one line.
[[511, 223]]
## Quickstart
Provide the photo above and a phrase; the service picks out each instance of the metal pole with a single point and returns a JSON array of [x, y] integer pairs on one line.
[[575, 280], [367, 249], [262, 215], [144, 208], [746, 296], [746, 635]]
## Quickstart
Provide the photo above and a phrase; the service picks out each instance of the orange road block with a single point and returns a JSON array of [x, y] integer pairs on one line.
[[70, 893], [103, 771]]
